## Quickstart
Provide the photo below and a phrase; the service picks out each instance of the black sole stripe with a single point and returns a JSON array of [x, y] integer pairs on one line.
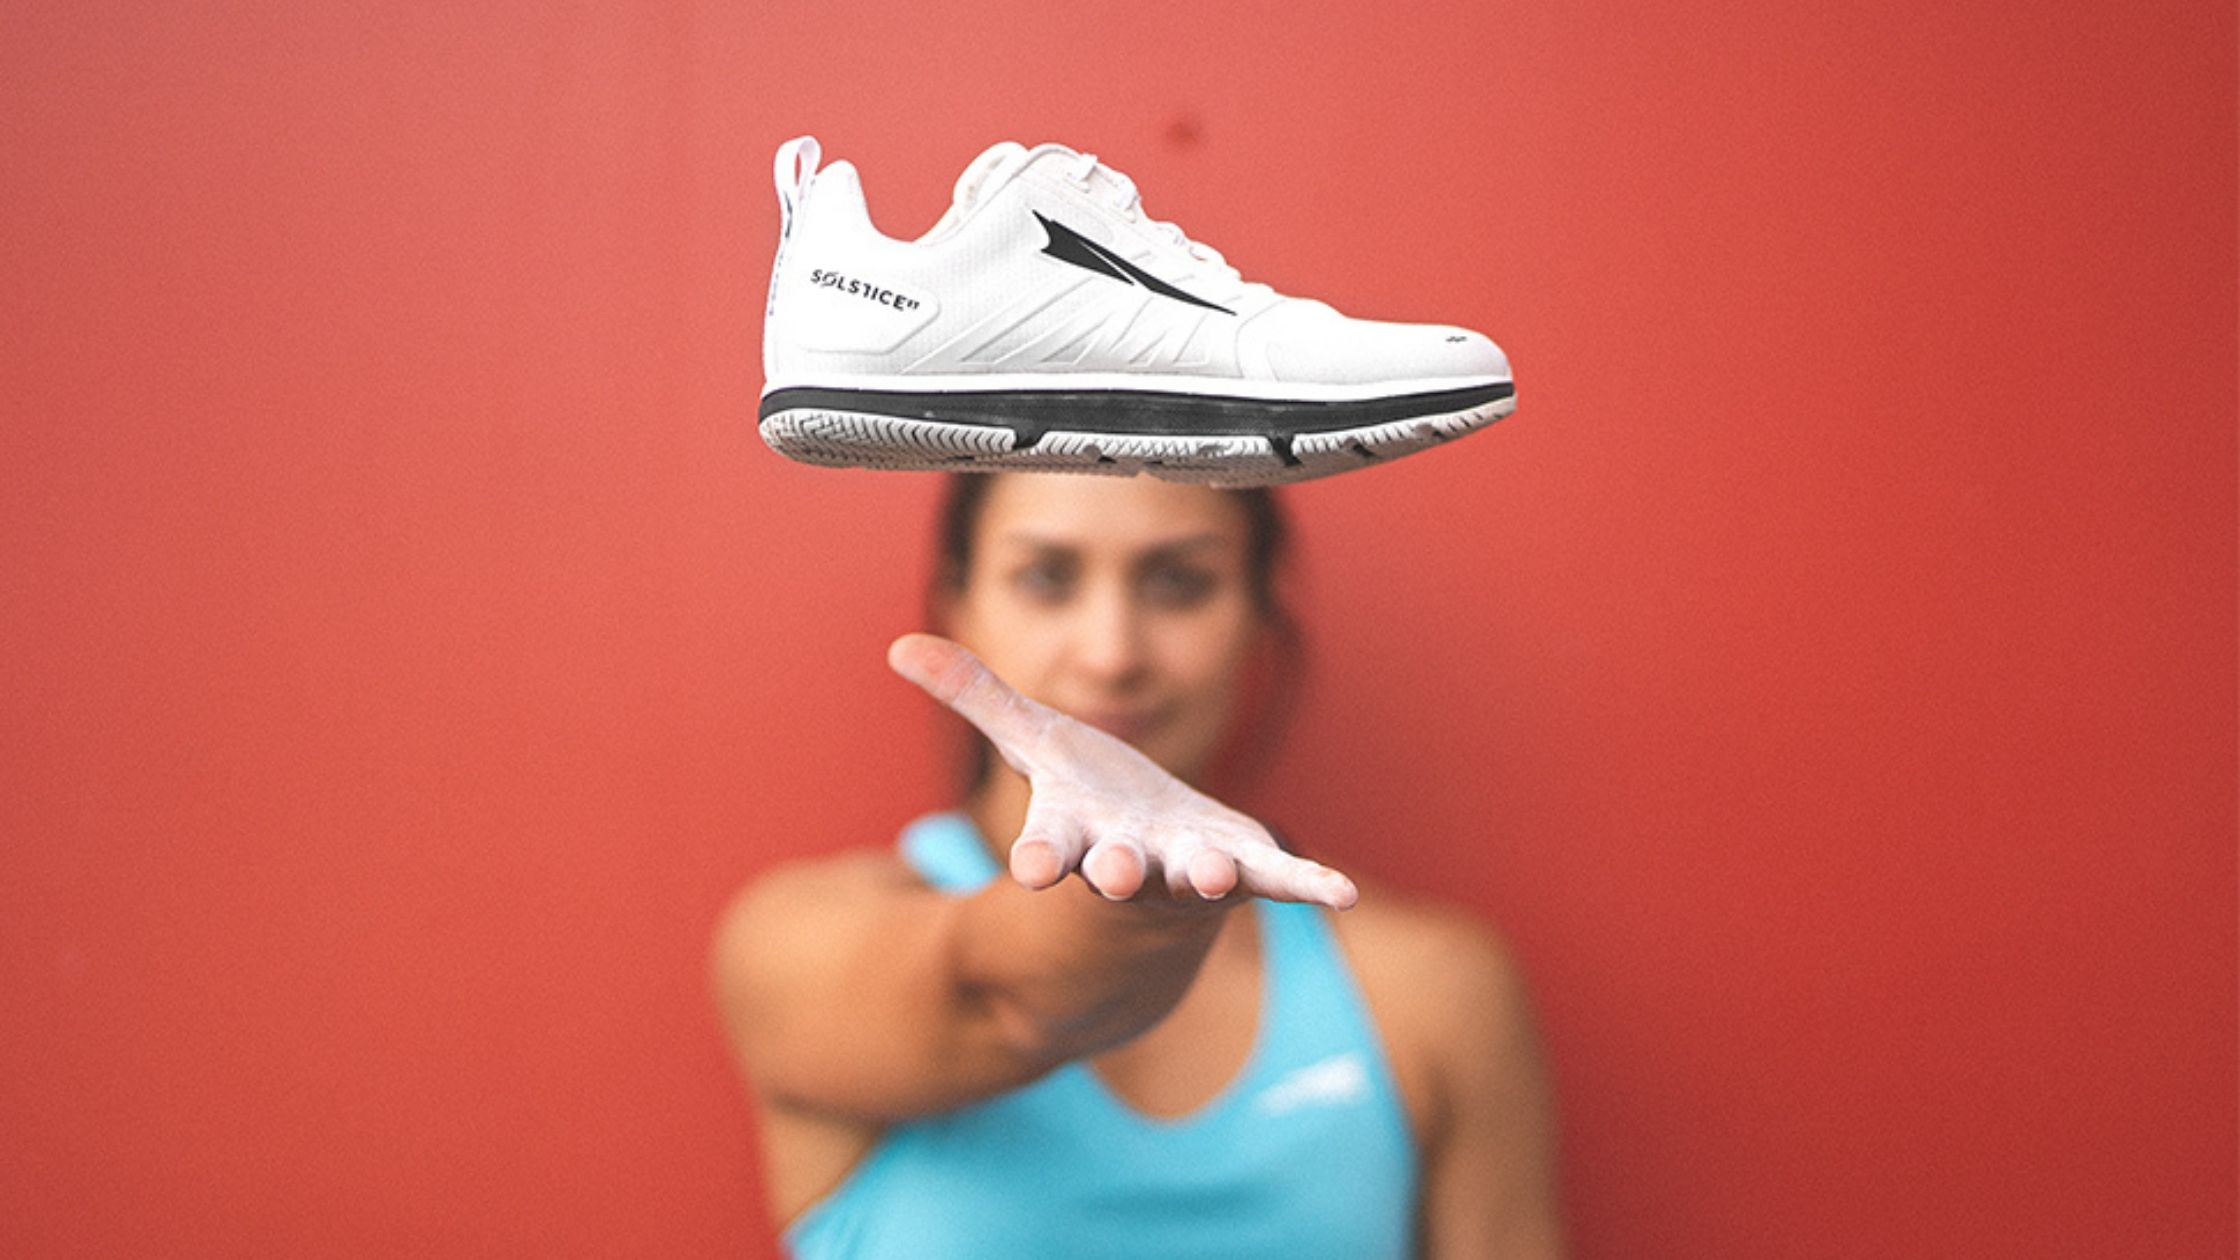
[[1029, 414]]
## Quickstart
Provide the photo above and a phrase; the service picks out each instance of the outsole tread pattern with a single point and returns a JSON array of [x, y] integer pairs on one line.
[[842, 439]]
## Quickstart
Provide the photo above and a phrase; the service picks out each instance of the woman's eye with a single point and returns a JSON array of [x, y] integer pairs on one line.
[[1178, 587], [1045, 580]]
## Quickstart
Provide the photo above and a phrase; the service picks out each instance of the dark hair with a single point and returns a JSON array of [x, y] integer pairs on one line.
[[1267, 552]]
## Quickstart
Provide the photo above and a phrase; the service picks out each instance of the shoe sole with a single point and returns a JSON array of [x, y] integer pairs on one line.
[[1176, 437]]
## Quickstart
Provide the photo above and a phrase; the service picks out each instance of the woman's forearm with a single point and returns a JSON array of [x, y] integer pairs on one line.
[[1066, 973]]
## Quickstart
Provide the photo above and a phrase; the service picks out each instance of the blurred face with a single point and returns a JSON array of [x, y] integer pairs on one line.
[[1125, 603]]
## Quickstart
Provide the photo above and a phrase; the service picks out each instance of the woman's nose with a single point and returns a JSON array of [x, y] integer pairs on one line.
[[1109, 639]]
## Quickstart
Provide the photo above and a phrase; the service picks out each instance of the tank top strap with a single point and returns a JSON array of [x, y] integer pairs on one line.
[[1302, 936], [1305, 971], [1326, 1035], [946, 852]]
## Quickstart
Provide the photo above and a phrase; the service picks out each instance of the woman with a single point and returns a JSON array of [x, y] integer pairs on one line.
[[1156, 1037]]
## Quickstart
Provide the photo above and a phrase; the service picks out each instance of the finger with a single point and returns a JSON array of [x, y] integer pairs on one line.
[[1115, 867], [1212, 874], [1049, 845], [1198, 872], [1279, 876], [1174, 868], [958, 679]]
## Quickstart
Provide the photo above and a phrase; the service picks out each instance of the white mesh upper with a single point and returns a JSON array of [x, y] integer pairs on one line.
[[981, 298]]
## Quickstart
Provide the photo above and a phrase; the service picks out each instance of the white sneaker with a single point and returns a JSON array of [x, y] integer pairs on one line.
[[1045, 323]]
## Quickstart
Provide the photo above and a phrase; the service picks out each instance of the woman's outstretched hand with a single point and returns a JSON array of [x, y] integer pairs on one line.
[[1106, 811]]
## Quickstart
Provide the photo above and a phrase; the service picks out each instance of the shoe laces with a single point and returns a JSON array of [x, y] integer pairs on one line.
[[1085, 166]]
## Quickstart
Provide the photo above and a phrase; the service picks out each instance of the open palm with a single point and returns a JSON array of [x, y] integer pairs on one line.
[[1106, 811]]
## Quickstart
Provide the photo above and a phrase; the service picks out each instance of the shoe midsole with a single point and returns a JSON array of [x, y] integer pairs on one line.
[[1031, 413], [1196, 386]]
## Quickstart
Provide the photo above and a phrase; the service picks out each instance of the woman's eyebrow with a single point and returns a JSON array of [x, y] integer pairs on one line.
[[1179, 546], [1043, 542], [1036, 542]]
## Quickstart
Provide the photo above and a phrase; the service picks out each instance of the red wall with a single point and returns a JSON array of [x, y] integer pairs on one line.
[[1827, 678]]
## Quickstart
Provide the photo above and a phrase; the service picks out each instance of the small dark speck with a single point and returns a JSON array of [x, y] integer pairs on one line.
[[1184, 131]]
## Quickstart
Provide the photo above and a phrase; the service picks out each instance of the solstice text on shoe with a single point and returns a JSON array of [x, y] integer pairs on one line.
[[848, 284]]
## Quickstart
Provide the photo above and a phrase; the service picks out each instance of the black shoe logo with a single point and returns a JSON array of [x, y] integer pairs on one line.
[[1067, 245]]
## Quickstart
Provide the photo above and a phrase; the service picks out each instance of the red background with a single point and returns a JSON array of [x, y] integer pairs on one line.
[[1827, 678]]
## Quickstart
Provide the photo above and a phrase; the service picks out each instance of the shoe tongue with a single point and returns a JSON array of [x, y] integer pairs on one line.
[[987, 173], [981, 175]]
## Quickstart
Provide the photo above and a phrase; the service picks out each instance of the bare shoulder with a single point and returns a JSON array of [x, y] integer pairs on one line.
[[1436, 953], [780, 948], [1451, 1001], [819, 882], [774, 932], [1446, 992]]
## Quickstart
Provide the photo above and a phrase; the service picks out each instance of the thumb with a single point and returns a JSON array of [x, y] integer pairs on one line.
[[954, 676]]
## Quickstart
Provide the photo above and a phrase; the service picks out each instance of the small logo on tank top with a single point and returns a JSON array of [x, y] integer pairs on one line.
[[1334, 1081]]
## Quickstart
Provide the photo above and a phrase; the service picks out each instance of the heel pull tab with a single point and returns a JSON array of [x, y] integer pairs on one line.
[[795, 167]]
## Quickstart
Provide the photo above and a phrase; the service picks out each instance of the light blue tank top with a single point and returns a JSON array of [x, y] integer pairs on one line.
[[1305, 1154]]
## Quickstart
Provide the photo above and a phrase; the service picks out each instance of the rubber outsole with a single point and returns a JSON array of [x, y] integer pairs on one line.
[[1210, 441]]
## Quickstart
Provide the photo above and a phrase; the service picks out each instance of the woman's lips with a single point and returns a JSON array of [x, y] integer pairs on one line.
[[1127, 727]]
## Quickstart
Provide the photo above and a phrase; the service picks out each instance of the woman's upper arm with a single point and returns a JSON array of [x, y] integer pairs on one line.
[[837, 987], [1490, 1171]]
